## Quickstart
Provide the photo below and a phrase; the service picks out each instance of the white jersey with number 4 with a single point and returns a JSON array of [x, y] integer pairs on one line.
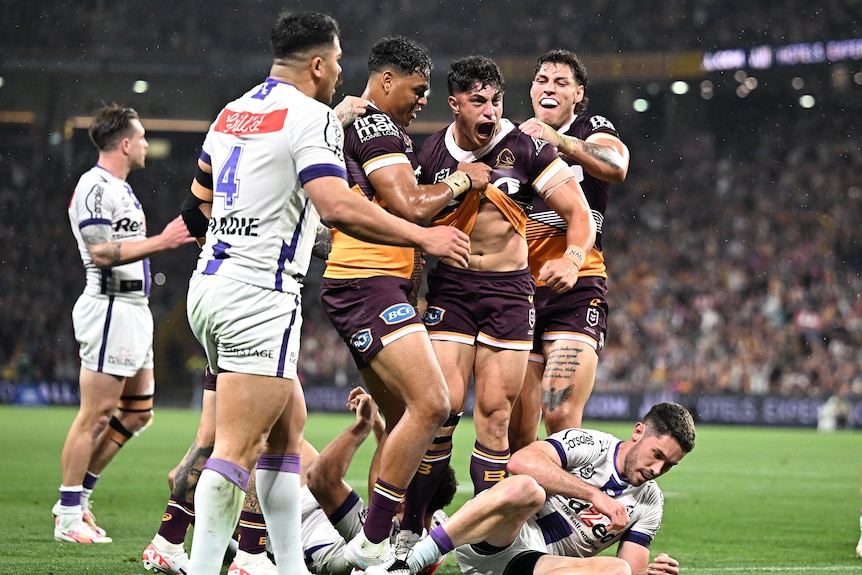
[[573, 527], [263, 147]]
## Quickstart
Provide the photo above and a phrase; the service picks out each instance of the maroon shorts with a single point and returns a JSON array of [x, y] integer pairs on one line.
[[580, 314], [493, 308], [209, 380], [369, 313]]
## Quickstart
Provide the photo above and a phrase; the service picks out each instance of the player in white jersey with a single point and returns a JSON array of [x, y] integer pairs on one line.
[[112, 319], [271, 167], [569, 497]]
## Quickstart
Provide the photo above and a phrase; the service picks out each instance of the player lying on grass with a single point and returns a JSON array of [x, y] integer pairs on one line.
[[568, 497]]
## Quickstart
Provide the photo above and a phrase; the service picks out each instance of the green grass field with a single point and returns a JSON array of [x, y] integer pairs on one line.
[[777, 501]]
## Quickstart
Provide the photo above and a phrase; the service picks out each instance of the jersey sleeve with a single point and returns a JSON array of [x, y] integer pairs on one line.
[[577, 447], [375, 142], [646, 523], [319, 145], [93, 204]]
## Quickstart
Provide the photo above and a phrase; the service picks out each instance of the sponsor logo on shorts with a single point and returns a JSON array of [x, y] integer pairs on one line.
[[397, 313], [361, 340], [268, 353], [532, 318], [433, 315]]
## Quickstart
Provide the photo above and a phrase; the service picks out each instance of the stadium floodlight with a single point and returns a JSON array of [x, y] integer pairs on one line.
[[679, 87], [140, 86]]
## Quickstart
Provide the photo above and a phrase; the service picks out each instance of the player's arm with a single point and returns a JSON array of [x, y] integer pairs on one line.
[[637, 556], [107, 254], [367, 221], [197, 207], [602, 155], [541, 461], [397, 186], [565, 196]]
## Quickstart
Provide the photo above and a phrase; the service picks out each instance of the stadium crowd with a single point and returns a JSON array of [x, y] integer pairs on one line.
[[735, 263], [96, 29], [734, 252]]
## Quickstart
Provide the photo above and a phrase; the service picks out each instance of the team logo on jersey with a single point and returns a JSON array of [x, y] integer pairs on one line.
[[441, 175], [539, 144], [433, 315], [601, 122], [361, 340], [505, 159], [397, 313], [587, 471]]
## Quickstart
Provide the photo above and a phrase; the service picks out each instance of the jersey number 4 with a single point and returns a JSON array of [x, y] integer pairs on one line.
[[227, 183]]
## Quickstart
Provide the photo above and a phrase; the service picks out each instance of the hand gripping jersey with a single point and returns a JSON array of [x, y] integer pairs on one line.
[[546, 231], [103, 199], [263, 147], [573, 527], [520, 165], [372, 142]]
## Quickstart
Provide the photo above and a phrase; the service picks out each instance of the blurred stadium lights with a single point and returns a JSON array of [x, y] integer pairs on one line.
[[679, 87], [140, 87]]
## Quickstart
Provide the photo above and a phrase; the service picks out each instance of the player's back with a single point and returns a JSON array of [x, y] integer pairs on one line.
[[262, 148]]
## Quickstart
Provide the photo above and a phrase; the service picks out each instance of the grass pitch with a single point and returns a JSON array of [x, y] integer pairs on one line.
[[746, 500]]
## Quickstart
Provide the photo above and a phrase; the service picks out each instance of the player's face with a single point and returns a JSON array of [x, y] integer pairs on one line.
[[408, 94], [330, 73], [554, 93], [477, 115], [137, 146], [650, 457]]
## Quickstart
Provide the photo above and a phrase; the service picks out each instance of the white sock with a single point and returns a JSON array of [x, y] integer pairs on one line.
[[425, 553], [218, 503], [279, 497]]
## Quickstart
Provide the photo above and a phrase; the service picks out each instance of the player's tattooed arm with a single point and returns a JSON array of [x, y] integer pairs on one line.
[[189, 470], [322, 243], [103, 251]]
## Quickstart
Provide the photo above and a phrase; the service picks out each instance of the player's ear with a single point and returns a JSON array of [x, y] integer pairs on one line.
[[639, 431], [453, 103], [317, 67], [386, 80]]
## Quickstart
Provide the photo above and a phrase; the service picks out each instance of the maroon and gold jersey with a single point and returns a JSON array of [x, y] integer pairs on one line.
[[546, 231], [520, 165], [374, 141]]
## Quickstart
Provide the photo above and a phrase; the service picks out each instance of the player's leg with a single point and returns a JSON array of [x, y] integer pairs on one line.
[[239, 441], [410, 370], [499, 376], [567, 382], [99, 393], [251, 557], [278, 483], [166, 552], [527, 411]]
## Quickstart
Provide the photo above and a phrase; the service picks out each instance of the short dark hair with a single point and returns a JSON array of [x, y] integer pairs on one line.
[[445, 492], [405, 55], [672, 419], [466, 72], [575, 64], [295, 33], [110, 124]]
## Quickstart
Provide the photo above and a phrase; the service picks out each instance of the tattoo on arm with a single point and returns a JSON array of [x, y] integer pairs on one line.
[[189, 471], [322, 243], [604, 154], [100, 235]]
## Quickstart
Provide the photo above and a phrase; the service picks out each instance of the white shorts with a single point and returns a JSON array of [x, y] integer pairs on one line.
[[245, 328], [530, 538], [115, 334], [322, 543]]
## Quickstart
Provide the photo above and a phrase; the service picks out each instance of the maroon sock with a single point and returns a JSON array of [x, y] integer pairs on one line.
[[252, 533], [176, 520], [381, 509], [422, 488], [487, 467]]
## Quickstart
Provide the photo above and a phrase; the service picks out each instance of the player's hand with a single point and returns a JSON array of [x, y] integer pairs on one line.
[[480, 174], [541, 131], [363, 405], [560, 274], [663, 563], [175, 234], [447, 242], [613, 510], [350, 108]]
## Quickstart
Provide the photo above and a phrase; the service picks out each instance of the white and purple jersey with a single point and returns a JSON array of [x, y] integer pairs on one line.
[[572, 527], [263, 147], [103, 199]]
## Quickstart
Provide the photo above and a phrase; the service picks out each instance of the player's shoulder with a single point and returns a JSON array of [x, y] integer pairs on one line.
[[586, 124]]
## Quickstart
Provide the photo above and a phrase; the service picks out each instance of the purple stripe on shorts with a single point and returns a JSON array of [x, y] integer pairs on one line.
[[230, 471], [105, 331], [285, 339], [283, 463]]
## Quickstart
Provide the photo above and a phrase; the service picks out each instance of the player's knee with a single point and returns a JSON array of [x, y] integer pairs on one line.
[[520, 495], [135, 412]]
